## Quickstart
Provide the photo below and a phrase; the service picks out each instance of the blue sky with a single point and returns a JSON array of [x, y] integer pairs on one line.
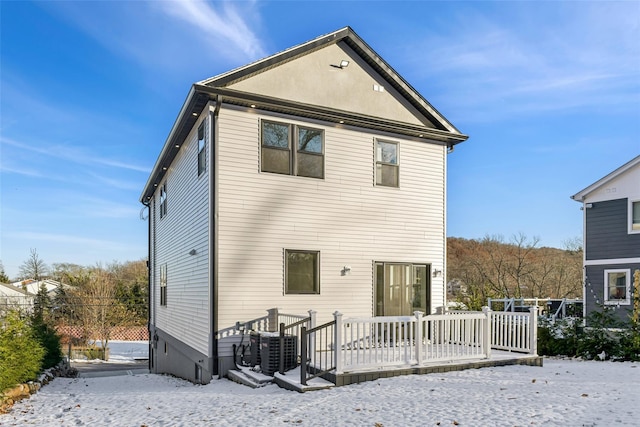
[[549, 93]]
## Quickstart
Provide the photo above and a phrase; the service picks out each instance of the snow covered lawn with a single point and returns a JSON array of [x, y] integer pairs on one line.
[[562, 393]]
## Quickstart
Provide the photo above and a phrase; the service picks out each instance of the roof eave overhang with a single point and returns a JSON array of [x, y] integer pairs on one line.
[[582, 195], [200, 95]]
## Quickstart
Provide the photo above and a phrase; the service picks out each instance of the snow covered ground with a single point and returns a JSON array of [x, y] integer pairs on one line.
[[562, 393]]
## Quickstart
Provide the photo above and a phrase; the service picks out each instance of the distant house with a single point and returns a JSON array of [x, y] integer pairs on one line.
[[611, 215], [12, 297], [311, 179], [33, 286]]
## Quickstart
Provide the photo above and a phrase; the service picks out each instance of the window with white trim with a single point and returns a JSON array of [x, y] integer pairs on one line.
[[163, 284], [302, 272], [163, 200], [617, 287], [634, 216], [292, 149], [202, 152], [387, 166]]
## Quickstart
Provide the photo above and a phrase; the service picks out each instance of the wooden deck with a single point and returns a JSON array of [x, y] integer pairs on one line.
[[291, 379]]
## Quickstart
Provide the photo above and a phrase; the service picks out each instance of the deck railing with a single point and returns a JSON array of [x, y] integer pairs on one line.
[[377, 342], [354, 344], [317, 351]]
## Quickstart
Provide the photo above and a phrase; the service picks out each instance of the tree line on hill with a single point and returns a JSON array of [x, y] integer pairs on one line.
[[494, 268]]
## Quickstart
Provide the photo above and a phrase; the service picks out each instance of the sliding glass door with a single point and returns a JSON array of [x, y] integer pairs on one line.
[[401, 289]]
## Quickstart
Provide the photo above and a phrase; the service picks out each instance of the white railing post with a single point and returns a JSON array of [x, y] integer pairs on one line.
[[312, 340], [417, 339], [488, 327], [337, 345], [533, 331], [272, 320]]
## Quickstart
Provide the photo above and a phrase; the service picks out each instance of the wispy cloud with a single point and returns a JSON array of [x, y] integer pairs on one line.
[[170, 35], [220, 22], [583, 55], [66, 239], [74, 155]]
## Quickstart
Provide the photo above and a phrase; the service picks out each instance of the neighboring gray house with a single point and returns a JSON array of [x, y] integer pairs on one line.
[[611, 209], [311, 179]]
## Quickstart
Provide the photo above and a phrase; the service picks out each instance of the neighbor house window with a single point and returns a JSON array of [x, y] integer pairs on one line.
[[292, 150], [616, 286], [163, 200], [302, 272], [163, 284], [387, 169], [634, 216], [202, 152]]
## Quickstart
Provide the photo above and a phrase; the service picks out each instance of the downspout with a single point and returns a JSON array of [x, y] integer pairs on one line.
[[148, 206], [213, 236], [446, 151]]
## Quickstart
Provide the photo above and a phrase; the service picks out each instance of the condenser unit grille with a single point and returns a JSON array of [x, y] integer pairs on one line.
[[270, 353]]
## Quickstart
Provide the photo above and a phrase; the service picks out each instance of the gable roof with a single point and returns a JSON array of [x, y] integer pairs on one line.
[[223, 88], [581, 195]]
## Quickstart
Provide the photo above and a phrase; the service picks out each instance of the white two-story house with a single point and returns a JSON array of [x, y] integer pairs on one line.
[[311, 179]]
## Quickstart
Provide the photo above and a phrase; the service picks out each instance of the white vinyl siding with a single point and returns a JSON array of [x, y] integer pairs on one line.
[[345, 217], [186, 315]]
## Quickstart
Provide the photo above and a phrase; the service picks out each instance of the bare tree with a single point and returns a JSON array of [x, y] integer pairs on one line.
[[34, 267]]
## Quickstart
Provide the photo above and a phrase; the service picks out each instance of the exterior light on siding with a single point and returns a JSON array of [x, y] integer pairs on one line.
[[345, 270], [344, 63], [437, 273], [192, 252]]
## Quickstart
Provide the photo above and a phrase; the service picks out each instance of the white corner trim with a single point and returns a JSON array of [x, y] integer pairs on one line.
[[612, 261]]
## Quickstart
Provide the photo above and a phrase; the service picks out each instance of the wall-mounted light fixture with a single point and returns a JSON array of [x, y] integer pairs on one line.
[[345, 270], [192, 252], [343, 64], [437, 273]]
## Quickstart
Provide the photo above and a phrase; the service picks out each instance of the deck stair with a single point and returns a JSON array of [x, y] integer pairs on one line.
[[249, 377]]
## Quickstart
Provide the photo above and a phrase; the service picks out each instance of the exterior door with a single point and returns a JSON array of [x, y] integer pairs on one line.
[[401, 289]]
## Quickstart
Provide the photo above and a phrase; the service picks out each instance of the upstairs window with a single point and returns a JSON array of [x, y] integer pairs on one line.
[[302, 272], [279, 155], [634, 216], [163, 284], [163, 200], [387, 169], [202, 152], [616, 287]]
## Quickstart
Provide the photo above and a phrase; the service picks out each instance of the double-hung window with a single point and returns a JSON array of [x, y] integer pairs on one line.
[[202, 152], [387, 166], [292, 150], [163, 284], [163, 200], [616, 286], [302, 272], [634, 216]]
